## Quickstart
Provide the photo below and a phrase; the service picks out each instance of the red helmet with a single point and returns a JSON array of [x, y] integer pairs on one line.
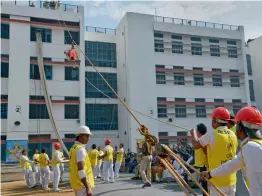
[[249, 115], [221, 113], [57, 146], [108, 141]]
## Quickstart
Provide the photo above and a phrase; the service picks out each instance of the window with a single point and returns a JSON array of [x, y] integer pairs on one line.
[[162, 133], [196, 49], [5, 31], [176, 37], [36, 97], [159, 45], [72, 98], [97, 81], [177, 47], [102, 116], [158, 35], [219, 103], [234, 80], [198, 78], [231, 42], [34, 72], [180, 111], [217, 78], [161, 111], [75, 35], [4, 109], [71, 73], [232, 51], [4, 96], [101, 54], [4, 70], [249, 65], [160, 75], [179, 78], [71, 111], [215, 50], [46, 34], [38, 111], [214, 41], [237, 105], [200, 108], [196, 39], [251, 90]]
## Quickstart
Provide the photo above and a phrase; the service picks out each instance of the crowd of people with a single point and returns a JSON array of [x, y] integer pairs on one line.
[[215, 153]]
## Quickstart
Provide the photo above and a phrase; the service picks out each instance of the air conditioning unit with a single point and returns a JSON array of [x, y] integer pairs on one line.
[[170, 120]]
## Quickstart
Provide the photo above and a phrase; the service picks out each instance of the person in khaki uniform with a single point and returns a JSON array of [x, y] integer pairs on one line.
[[138, 158], [145, 165]]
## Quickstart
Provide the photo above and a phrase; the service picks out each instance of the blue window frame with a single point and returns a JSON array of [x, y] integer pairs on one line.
[[176, 37], [75, 35], [38, 111], [4, 70], [102, 116], [4, 110], [196, 39], [101, 54], [97, 81], [5, 32], [34, 72], [196, 49], [158, 35], [46, 34], [71, 111], [72, 73]]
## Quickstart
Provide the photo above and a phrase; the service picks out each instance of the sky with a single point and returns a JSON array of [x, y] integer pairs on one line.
[[107, 14]]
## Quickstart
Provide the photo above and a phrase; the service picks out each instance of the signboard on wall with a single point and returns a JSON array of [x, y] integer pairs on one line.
[[14, 149]]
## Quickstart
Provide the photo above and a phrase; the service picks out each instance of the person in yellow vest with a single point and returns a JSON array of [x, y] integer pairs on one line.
[[80, 170], [99, 163], [108, 162], [231, 123], [36, 167], [221, 144], [44, 162], [200, 155], [56, 161], [93, 156], [119, 159], [248, 119], [26, 166]]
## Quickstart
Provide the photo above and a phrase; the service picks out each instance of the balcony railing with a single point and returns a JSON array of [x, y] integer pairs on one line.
[[100, 30], [53, 5], [196, 23]]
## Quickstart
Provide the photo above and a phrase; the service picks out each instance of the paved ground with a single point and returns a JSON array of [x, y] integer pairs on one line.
[[122, 187]]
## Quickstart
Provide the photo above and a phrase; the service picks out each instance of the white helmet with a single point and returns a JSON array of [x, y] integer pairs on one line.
[[83, 130]]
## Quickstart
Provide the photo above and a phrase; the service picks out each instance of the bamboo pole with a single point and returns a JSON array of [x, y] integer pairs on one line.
[[175, 176], [191, 167]]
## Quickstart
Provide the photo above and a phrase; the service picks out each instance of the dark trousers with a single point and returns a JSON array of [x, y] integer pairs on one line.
[[203, 182]]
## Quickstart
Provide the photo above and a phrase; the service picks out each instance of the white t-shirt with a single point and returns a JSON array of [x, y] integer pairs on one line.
[[81, 153], [209, 137]]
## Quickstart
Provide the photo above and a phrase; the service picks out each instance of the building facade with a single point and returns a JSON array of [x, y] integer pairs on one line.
[[24, 114], [171, 70]]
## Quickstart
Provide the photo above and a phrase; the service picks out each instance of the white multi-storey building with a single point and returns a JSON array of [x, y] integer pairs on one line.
[[174, 70], [23, 111]]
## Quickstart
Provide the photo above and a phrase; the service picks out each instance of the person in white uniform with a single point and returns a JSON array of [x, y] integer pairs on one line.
[[28, 172], [56, 161], [44, 169], [119, 159], [250, 156], [99, 163], [36, 167]]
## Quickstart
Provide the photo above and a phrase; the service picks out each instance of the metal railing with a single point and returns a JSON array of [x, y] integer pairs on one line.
[[195, 23], [100, 30], [53, 5]]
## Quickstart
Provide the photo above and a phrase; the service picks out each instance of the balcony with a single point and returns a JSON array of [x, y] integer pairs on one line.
[[100, 30], [43, 4], [195, 23]]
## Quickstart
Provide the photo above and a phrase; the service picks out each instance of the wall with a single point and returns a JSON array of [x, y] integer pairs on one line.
[[256, 60]]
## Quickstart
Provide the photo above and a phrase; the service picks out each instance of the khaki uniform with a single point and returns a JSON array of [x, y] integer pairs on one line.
[[145, 165]]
